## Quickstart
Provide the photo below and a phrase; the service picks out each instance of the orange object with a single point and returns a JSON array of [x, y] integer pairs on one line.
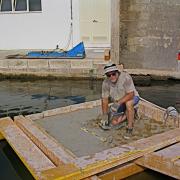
[[107, 55]]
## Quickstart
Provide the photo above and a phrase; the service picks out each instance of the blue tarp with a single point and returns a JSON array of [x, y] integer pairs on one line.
[[77, 52]]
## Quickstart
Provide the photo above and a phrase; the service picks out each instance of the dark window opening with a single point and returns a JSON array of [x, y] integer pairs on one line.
[[35, 5], [20, 5], [6, 5]]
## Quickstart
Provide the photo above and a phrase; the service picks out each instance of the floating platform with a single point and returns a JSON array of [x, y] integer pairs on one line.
[[166, 161], [34, 142]]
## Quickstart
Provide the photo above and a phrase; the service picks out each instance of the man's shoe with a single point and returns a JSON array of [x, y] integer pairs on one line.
[[105, 127], [128, 133]]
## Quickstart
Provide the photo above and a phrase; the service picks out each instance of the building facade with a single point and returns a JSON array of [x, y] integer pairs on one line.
[[149, 32], [44, 24]]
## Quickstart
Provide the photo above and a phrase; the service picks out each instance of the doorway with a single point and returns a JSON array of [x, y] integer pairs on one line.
[[95, 22]]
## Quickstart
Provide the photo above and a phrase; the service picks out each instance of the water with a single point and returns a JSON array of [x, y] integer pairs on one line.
[[162, 93], [11, 166], [33, 97]]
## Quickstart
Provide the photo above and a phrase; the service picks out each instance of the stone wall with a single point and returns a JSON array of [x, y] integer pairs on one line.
[[149, 33]]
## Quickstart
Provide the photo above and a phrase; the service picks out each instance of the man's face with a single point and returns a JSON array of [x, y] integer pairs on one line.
[[113, 76]]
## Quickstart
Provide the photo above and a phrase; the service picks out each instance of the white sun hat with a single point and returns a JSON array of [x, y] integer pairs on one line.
[[110, 67]]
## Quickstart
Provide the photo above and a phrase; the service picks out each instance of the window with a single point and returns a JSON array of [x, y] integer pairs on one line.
[[20, 5], [34, 5], [6, 5]]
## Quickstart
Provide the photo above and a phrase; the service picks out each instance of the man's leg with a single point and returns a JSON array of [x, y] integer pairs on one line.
[[130, 118], [118, 120], [121, 117], [130, 113], [136, 101]]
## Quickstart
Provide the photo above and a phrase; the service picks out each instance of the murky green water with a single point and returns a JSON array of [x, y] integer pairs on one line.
[[10, 165], [32, 97]]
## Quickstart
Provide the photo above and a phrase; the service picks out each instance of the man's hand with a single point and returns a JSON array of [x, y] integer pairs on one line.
[[104, 121], [114, 107]]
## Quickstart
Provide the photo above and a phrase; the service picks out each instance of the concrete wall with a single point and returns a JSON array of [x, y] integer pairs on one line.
[[40, 30], [149, 33]]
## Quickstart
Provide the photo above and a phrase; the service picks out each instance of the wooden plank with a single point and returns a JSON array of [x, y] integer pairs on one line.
[[91, 165], [122, 172], [1, 137], [166, 161], [171, 152], [54, 150], [31, 156], [93, 178], [165, 139]]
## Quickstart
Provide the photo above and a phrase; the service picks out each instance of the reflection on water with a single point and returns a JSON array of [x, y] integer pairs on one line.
[[149, 175], [33, 97], [162, 93]]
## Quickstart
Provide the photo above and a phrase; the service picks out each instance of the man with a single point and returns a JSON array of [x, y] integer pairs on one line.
[[119, 87]]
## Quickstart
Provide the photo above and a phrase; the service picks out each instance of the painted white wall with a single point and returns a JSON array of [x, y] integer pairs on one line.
[[40, 30], [76, 25]]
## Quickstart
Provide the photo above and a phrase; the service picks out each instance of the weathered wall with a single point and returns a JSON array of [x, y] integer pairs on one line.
[[149, 33]]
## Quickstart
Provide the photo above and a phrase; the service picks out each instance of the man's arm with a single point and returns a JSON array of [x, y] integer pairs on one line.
[[129, 89], [104, 102], [127, 97]]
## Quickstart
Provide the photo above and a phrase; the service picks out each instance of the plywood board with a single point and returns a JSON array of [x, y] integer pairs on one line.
[[29, 153]]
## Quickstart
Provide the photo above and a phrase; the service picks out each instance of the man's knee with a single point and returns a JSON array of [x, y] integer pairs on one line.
[[130, 105]]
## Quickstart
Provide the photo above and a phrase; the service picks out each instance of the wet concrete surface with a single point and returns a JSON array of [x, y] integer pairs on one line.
[[79, 131]]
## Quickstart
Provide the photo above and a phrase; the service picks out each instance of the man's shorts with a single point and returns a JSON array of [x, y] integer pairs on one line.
[[122, 107]]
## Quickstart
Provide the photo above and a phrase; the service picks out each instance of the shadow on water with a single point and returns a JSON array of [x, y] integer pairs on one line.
[[11, 166], [149, 175], [33, 97]]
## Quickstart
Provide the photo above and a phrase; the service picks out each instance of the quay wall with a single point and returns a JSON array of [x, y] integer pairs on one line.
[[72, 69], [149, 34]]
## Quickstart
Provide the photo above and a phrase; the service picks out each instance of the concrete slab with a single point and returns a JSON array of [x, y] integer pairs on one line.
[[91, 165], [76, 126], [53, 150], [68, 130]]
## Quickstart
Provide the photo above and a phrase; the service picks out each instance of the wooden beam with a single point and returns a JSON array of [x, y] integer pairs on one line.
[[166, 161], [48, 145], [1, 137], [93, 178], [31, 156], [122, 172]]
